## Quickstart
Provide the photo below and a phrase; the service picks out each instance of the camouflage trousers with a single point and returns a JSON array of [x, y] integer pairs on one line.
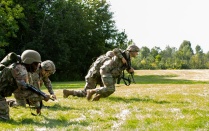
[[24, 97], [109, 86], [4, 109], [91, 83]]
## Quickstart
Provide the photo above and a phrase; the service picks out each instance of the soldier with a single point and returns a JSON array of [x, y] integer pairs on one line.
[[92, 78], [37, 79], [12, 77], [41, 76], [111, 70]]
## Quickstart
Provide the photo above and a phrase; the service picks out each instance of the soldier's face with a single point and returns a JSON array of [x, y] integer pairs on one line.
[[34, 66], [133, 54], [46, 73]]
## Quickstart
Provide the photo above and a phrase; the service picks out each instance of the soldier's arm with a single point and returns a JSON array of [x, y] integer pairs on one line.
[[118, 53], [20, 74], [48, 85]]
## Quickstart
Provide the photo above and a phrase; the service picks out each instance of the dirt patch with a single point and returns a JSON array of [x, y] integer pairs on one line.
[[200, 75]]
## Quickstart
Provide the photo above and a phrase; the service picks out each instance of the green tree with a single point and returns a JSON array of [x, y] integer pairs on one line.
[[168, 60], [10, 12], [185, 53], [197, 61]]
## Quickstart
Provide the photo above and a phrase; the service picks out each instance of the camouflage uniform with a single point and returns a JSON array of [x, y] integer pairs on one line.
[[93, 76], [110, 71], [11, 78], [39, 79], [36, 79], [9, 82]]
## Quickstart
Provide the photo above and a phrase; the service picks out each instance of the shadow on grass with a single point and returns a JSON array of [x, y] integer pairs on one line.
[[136, 99], [61, 121], [145, 79], [164, 79], [56, 107], [68, 85], [52, 123]]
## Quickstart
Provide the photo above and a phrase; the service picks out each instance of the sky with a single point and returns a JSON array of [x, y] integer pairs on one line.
[[163, 23]]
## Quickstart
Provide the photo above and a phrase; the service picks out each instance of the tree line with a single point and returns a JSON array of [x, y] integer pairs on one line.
[[172, 58], [68, 32], [72, 33]]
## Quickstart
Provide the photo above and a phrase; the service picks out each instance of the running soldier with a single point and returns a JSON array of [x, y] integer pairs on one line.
[[12, 77], [92, 78], [111, 70]]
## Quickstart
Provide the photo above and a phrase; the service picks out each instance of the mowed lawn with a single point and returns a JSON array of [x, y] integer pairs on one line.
[[161, 100]]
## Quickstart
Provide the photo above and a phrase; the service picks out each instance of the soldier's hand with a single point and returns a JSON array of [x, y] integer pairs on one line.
[[47, 98], [131, 70], [124, 60], [53, 96]]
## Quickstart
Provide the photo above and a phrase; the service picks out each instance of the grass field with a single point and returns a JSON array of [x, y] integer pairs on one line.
[[161, 100]]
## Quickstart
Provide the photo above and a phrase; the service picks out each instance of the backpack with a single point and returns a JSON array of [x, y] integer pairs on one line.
[[7, 82], [99, 61], [9, 59], [95, 67]]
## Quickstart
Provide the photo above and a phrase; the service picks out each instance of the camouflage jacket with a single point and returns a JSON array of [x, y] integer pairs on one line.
[[10, 79], [115, 66], [38, 80], [94, 70]]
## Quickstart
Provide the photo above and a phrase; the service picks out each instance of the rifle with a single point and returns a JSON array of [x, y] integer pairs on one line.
[[129, 79], [34, 89], [128, 68]]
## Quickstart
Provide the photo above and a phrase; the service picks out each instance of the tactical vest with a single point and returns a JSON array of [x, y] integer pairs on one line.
[[7, 82]]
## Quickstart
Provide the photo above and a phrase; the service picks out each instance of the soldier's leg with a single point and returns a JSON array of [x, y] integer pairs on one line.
[[34, 100], [107, 90], [20, 100], [4, 109], [90, 84]]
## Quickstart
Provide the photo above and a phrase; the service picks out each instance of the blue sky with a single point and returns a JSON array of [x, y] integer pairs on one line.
[[163, 22]]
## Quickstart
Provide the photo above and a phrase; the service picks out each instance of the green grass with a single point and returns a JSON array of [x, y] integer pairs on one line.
[[155, 103]]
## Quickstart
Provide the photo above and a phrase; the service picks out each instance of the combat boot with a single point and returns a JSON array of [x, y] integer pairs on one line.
[[96, 97], [38, 111], [90, 93], [66, 93]]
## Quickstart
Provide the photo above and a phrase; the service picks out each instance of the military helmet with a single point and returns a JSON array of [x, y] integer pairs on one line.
[[110, 54], [30, 56], [48, 66], [133, 48]]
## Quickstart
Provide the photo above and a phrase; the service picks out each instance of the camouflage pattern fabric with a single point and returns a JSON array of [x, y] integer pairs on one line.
[[110, 71], [9, 79], [37, 80], [93, 76], [4, 109]]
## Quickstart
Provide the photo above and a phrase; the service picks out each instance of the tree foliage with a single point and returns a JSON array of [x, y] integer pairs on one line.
[[9, 14], [70, 33]]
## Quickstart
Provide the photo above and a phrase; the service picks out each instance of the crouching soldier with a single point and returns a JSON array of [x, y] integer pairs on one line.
[[12, 77], [92, 78], [41, 76], [111, 70], [38, 78]]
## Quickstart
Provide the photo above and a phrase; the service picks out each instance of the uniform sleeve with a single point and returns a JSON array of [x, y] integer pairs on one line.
[[48, 85], [118, 53], [20, 74], [36, 80]]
